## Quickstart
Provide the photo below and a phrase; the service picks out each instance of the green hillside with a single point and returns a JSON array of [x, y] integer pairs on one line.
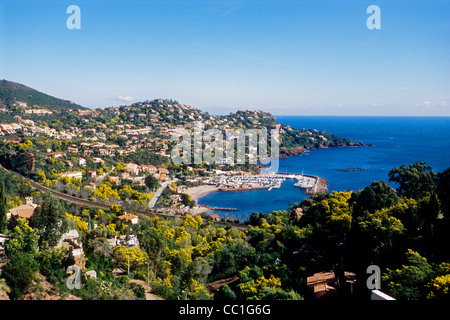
[[11, 92]]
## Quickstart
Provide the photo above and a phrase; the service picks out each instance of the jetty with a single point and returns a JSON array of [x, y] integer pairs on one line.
[[218, 208]]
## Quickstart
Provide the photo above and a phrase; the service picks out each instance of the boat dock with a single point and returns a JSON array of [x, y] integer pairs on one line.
[[312, 184]]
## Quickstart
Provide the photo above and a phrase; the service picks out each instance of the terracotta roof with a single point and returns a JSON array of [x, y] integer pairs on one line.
[[24, 211], [320, 277], [127, 217], [163, 171]]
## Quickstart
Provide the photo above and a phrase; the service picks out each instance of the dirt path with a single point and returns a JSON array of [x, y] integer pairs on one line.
[[148, 294]]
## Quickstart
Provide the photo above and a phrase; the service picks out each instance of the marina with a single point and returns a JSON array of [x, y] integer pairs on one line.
[[312, 184]]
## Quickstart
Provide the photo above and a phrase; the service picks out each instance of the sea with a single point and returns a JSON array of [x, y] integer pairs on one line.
[[396, 141]]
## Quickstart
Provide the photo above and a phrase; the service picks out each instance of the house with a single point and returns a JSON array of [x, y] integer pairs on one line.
[[24, 211], [56, 155], [132, 168], [124, 240], [98, 160], [325, 285], [88, 152], [163, 171], [92, 173], [38, 111], [7, 128], [148, 168], [81, 162], [72, 174], [91, 185], [114, 179], [69, 163], [215, 217], [129, 217]]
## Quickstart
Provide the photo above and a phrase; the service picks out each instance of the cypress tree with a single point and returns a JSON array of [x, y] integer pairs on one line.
[[3, 209]]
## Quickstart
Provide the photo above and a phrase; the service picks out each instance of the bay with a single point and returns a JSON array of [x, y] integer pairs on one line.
[[396, 140]]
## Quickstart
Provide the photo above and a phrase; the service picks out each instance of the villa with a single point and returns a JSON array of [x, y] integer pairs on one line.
[[24, 211]]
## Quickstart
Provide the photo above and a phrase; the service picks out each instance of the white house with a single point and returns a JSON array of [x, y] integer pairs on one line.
[[81, 162], [72, 174]]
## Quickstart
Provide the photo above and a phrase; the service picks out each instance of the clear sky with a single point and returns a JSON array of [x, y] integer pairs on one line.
[[294, 57]]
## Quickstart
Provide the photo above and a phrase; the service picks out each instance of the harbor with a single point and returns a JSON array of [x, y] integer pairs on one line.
[[269, 181]]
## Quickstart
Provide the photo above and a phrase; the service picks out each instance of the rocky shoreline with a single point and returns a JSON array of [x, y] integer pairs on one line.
[[300, 150]]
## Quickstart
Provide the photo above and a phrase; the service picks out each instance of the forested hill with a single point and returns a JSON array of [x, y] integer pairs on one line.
[[12, 92]]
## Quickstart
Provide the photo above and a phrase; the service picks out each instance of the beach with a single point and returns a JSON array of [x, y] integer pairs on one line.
[[196, 192]]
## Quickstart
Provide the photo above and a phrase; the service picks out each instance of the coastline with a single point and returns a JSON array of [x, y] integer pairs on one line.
[[199, 191], [296, 151]]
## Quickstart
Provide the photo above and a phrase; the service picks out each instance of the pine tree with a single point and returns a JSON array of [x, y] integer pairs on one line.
[[50, 221], [3, 209]]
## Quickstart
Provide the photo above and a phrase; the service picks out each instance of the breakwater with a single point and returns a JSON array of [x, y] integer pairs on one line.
[[218, 209]]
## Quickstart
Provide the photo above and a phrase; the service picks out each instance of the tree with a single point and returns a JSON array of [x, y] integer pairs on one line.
[[408, 283], [377, 196], [3, 209], [24, 239], [135, 257], [443, 191], [50, 221], [19, 273], [151, 182], [440, 288], [414, 181], [21, 249]]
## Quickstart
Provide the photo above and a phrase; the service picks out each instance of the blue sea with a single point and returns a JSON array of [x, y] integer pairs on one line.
[[396, 140]]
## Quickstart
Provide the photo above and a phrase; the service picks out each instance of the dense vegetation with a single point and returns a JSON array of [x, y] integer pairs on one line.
[[405, 232]]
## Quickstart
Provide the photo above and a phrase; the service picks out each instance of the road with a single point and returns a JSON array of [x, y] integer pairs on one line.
[[159, 191]]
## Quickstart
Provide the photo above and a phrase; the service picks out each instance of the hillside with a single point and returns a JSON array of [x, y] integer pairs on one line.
[[168, 113], [155, 118], [12, 92]]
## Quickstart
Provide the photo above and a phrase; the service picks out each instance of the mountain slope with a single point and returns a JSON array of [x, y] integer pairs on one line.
[[11, 92]]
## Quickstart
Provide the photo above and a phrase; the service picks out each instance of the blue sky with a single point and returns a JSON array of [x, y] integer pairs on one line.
[[285, 57]]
